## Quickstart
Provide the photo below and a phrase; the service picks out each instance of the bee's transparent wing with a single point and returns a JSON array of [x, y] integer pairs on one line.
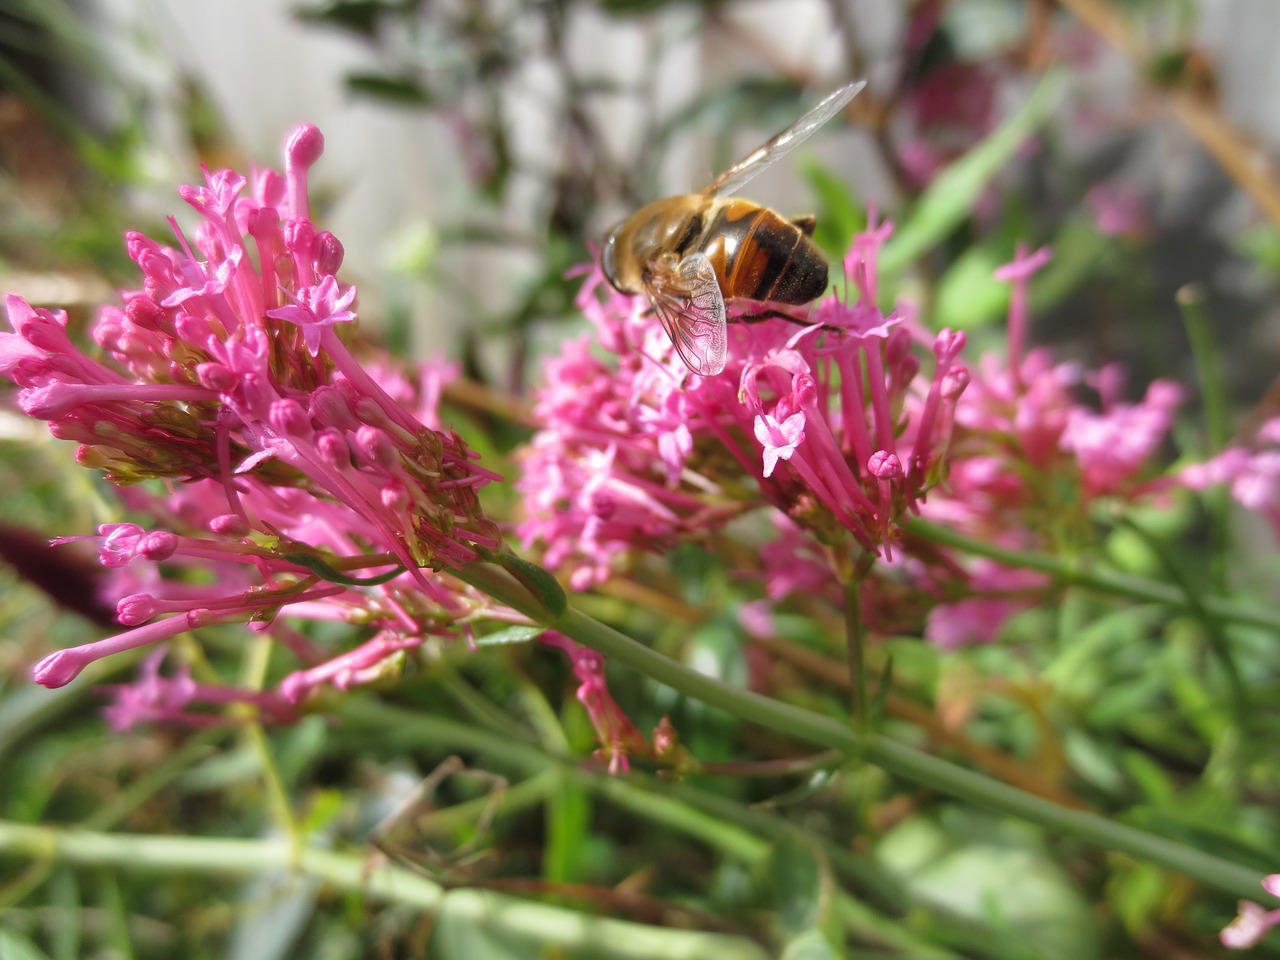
[[689, 303], [779, 146]]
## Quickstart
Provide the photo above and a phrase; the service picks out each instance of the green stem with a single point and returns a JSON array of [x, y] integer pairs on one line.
[[894, 757], [355, 873], [1102, 581], [1214, 396], [855, 649], [1215, 635]]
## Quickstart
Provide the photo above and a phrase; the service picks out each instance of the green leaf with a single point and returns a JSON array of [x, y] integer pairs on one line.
[[16, 947], [946, 202], [537, 581], [810, 945], [403, 90], [840, 212], [358, 16], [795, 876], [996, 873], [969, 295], [568, 821], [457, 935], [517, 633]]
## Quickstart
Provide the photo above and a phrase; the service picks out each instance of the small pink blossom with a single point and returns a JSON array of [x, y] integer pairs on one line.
[[1253, 922], [779, 439], [317, 307], [1251, 472], [618, 736]]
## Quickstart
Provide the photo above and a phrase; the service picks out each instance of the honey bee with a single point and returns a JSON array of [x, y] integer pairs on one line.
[[690, 254]]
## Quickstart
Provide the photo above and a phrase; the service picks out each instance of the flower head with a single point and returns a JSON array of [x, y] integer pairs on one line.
[[313, 485], [832, 420]]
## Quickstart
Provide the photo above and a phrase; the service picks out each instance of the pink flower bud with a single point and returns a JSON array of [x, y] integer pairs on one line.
[[300, 238], [290, 419], [333, 449], [157, 545], [305, 146], [328, 253], [216, 377], [136, 609], [59, 668], [884, 465], [229, 525]]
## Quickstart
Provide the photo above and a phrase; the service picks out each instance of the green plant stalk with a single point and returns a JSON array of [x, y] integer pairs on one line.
[[356, 873], [1214, 395], [1100, 581], [854, 646], [896, 758], [737, 832], [1215, 635]]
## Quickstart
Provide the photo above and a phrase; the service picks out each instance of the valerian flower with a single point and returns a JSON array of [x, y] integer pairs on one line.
[[1028, 447], [1251, 471], [303, 483], [831, 419], [1252, 923]]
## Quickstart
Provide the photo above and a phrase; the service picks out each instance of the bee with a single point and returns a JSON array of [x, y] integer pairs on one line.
[[690, 254]]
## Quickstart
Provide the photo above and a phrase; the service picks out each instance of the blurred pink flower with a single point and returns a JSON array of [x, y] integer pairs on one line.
[[1252, 923], [1251, 472]]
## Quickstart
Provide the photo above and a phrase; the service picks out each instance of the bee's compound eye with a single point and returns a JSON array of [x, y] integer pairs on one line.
[[609, 258]]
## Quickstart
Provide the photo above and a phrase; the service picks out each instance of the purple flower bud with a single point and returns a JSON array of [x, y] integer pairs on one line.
[[136, 609], [395, 497], [884, 465], [328, 253], [157, 545], [290, 419], [333, 449], [331, 406], [376, 447]]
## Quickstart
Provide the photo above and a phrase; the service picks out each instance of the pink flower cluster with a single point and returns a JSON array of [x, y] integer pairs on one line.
[[297, 480], [830, 420], [1250, 470], [1030, 459]]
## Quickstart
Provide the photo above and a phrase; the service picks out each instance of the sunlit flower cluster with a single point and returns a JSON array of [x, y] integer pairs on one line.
[[831, 420], [282, 476]]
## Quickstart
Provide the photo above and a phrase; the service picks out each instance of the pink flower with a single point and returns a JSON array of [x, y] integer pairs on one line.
[[618, 736], [304, 484], [1112, 446], [1026, 447], [778, 439], [1251, 472], [317, 307], [1252, 922], [634, 455]]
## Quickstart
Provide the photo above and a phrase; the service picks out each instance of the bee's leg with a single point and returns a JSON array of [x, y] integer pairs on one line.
[[779, 315], [805, 224]]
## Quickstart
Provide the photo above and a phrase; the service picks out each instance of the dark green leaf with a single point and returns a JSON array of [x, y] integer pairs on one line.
[[381, 86]]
